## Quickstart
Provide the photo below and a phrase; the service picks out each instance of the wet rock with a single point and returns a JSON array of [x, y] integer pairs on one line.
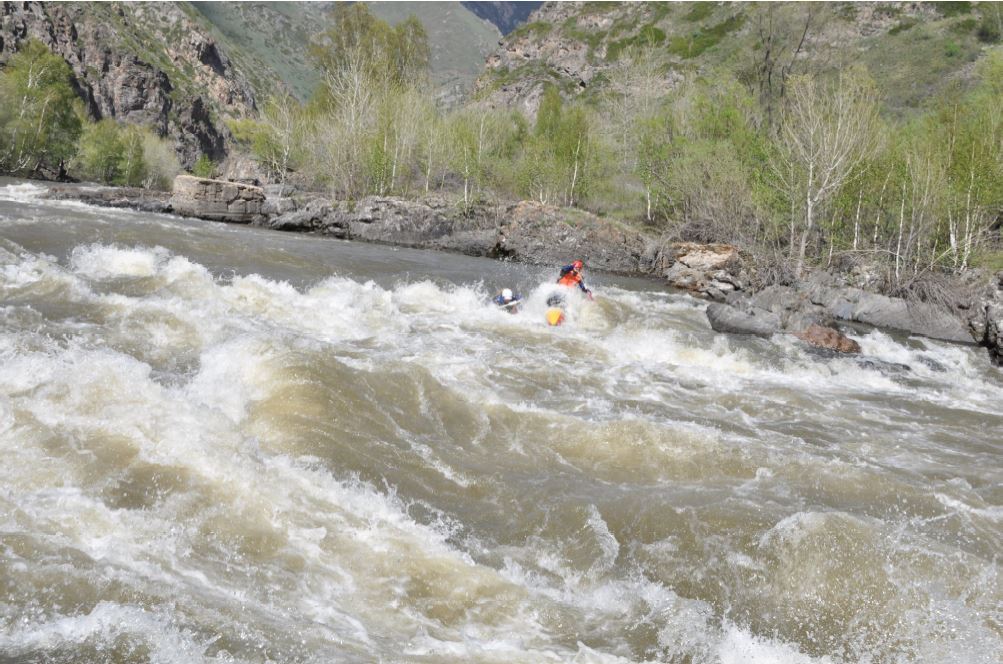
[[134, 198], [829, 338], [310, 217], [891, 368], [217, 200], [726, 318]]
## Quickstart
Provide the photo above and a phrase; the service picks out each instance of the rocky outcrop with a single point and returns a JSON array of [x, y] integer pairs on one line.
[[854, 304], [815, 305], [217, 200], [141, 63], [712, 270], [986, 319], [526, 231]]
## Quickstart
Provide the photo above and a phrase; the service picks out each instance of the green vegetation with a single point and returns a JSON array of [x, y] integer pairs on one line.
[[648, 36], [536, 30], [699, 12], [693, 45], [204, 167], [39, 113], [44, 131]]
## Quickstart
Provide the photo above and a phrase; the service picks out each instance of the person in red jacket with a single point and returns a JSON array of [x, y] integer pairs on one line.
[[571, 276]]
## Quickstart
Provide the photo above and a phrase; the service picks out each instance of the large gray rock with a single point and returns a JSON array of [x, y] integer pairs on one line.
[[853, 304], [216, 200], [726, 318], [310, 217]]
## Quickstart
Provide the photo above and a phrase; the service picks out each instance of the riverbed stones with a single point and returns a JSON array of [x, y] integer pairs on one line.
[[217, 200]]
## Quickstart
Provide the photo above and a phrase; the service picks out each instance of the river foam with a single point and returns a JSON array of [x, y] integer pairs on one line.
[[207, 467]]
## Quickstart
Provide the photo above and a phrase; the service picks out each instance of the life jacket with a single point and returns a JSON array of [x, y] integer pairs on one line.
[[570, 278]]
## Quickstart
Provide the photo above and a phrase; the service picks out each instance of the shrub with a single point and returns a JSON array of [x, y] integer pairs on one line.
[[989, 30], [101, 152], [161, 160], [204, 167]]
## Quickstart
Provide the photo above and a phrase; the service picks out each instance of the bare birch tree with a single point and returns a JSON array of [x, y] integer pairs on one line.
[[827, 131]]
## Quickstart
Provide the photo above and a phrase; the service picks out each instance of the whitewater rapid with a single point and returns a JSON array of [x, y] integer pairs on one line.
[[224, 444]]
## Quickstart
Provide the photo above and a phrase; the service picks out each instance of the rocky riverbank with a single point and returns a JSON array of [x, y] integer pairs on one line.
[[529, 232]]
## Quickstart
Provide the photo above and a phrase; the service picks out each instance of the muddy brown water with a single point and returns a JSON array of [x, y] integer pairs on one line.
[[225, 444]]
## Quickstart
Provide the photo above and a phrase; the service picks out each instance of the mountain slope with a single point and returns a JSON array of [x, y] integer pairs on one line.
[[273, 38], [913, 50], [145, 63]]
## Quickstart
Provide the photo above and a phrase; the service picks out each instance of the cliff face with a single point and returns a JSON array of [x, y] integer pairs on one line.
[[141, 63]]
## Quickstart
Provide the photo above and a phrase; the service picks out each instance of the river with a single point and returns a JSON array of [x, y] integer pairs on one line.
[[227, 444]]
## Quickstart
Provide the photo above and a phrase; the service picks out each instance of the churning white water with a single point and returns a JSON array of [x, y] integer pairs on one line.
[[222, 444]]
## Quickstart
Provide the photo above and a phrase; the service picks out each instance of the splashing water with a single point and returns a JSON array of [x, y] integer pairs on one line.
[[229, 445]]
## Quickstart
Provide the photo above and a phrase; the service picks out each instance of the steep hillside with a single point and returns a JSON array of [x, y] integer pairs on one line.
[[145, 63], [273, 38], [460, 41], [913, 50]]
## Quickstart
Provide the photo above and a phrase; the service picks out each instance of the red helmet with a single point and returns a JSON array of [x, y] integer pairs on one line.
[[578, 265]]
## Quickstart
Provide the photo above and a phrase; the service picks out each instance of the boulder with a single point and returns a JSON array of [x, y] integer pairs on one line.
[[275, 207], [706, 269], [706, 257], [217, 200], [310, 217], [726, 318], [829, 338]]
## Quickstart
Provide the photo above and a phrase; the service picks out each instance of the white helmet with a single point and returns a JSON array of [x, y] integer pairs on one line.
[[507, 293]]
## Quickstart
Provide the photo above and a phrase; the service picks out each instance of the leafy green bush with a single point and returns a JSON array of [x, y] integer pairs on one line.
[[204, 167], [951, 49], [39, 112], [101, 153], [161, 162]]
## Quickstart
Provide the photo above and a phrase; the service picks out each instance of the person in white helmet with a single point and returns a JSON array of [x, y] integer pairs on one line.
[[508, 300]]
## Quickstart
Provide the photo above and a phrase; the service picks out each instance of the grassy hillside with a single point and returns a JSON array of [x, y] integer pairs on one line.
[[913, 50], [269, 39]]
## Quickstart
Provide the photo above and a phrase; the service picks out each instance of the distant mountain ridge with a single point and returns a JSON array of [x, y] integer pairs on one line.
[[506, 16]]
